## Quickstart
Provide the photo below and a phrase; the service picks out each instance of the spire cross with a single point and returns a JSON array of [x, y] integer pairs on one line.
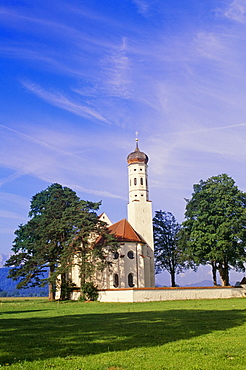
[[136, 133]]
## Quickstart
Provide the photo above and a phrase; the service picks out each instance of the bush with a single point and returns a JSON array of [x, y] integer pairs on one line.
[[89, 292]]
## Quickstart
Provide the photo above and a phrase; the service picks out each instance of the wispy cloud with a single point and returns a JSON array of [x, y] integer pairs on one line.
[[16, 175], [207, 129], [35, 140], [143, 5], [59, 100], [16, 200], [11, 215], [237, 11], [116, 68], [180, 159], [24, 20], [210, 45], [100, 193], [49, 163]]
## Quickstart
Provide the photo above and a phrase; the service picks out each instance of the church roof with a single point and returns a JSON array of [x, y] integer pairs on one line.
[[124, 232], [137, 156]]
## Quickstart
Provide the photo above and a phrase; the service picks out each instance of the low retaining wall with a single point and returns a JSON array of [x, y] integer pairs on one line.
[[169, 294]]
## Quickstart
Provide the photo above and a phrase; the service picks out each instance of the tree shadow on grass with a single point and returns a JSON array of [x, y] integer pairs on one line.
[[80, 335], [17, 312]]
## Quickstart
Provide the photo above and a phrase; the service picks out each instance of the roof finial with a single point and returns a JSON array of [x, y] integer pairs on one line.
[[136, 133], [137, 156]]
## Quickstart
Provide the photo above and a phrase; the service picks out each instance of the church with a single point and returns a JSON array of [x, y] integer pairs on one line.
[[131, 275], [133, 263]]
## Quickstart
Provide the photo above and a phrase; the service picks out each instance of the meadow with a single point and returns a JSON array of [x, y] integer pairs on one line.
[[201, 334]]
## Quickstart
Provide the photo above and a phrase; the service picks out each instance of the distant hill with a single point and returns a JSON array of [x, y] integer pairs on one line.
[[205, 283], [8, 287], [202, 283]]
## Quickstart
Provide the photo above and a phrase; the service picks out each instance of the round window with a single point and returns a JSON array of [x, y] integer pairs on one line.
[[130, 255], [116, 255]]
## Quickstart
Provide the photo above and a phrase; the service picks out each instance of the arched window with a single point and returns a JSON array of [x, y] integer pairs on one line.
[[116, 280], [130, 255], [141, 181], [135, 181], [116, 255], [130, 280]]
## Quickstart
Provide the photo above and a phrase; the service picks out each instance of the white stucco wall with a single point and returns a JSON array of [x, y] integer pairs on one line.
[[169, 294], [138, 266], [140, 217], [139, 208]]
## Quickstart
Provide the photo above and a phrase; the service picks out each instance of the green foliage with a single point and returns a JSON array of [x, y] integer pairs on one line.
[[214, 230], [61, 227], [201, 334], [89, 292], [168, 254]]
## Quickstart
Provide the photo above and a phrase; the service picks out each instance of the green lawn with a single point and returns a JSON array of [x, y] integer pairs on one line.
[[37, 334]]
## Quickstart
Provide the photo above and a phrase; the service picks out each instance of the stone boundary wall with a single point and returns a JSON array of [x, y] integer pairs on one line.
[[170, 294]]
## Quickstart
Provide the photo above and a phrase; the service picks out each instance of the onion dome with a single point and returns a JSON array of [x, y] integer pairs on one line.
[[137, 156]]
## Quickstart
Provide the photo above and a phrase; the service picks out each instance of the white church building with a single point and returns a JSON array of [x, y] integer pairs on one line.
[[131, 275], [133, 263]]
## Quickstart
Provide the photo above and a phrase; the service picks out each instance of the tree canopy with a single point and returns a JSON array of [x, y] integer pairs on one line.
[[61, 226], [215, 227], [168, 255]]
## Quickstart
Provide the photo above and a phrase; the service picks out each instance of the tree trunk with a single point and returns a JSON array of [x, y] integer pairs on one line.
[[51, 285], [224, 273], [63, 295], [51, 293], [173, 278], [214, 271]]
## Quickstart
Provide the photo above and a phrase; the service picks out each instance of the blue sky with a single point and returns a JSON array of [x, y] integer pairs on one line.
[[78, 79]]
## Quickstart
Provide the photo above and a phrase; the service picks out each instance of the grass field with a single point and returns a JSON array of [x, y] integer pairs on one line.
[[37, 334]]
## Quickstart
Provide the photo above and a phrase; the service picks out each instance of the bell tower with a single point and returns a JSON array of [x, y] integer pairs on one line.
[[139, 207]]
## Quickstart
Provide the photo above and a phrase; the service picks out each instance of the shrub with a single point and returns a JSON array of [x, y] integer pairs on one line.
[[89, 292]]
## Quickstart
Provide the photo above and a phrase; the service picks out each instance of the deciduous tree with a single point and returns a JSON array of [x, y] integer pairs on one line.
[[215, 225], [168, 255]]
